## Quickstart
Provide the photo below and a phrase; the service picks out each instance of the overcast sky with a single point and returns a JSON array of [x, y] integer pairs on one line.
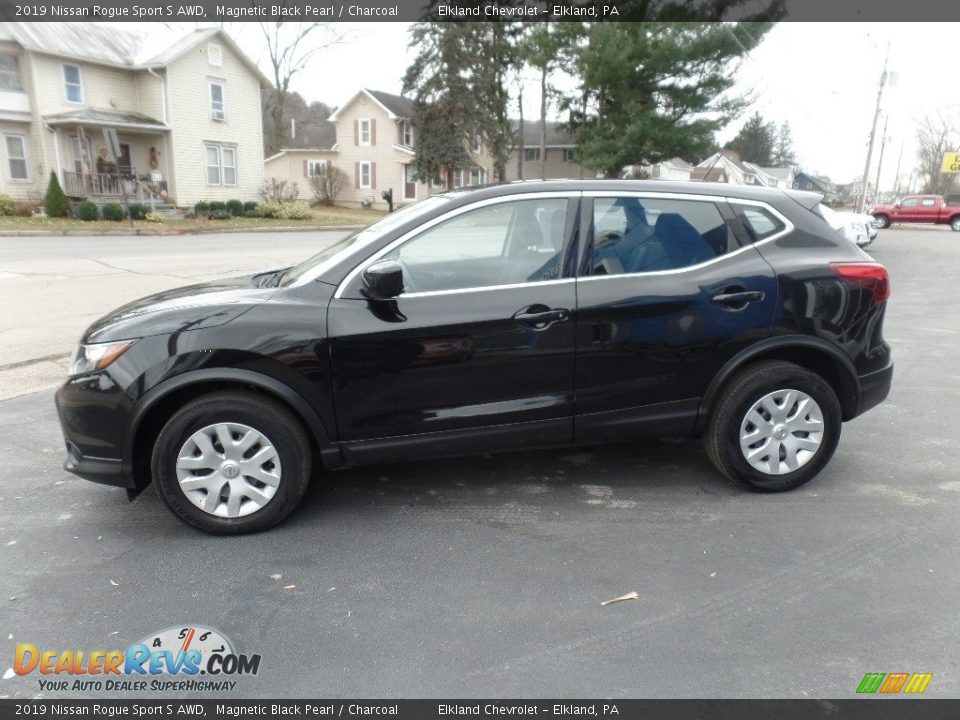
[[821, 77]]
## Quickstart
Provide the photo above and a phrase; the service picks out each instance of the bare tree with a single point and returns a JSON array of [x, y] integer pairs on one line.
[[327, 184], [290, 48], [936, 134]]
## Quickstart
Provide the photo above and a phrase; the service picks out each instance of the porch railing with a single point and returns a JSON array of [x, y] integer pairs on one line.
[[108, 185]]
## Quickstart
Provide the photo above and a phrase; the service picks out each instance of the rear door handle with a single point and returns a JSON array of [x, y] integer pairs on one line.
[[539, 318], [738, 299]]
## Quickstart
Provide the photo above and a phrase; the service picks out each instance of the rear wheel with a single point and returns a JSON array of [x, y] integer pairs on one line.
[[232, 462], [955, 223], [881, 221], [775, 426]]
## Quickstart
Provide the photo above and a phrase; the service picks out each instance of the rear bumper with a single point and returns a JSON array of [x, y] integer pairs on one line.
[[874, 388]]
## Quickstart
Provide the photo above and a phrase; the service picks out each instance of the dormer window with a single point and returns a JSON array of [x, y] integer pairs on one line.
[[10, 73]]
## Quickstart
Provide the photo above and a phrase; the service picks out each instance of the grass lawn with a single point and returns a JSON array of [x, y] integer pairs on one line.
[[321, 216]]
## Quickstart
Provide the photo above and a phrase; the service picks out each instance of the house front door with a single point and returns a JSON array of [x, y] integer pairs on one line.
[[409, 182]]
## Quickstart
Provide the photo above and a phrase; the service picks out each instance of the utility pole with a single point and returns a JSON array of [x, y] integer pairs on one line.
[[883, 145], [873, 132], [896, 188]]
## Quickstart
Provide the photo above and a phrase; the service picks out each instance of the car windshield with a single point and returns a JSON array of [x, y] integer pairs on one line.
[[313, 267]]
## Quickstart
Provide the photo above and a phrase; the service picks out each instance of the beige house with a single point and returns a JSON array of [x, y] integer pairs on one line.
[[374, 145], [185, 112], [558, 156]]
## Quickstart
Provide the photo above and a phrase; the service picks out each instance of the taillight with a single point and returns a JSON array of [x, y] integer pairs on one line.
[[872, 276]]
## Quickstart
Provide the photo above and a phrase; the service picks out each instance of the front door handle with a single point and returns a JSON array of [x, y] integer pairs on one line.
[[540, 316], [738, 300]]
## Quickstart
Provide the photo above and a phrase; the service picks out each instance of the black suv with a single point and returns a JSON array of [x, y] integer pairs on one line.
[[532, 314]]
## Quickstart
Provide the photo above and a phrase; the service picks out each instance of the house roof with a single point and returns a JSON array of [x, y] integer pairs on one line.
[[300, 151], [397, 107], [557, 136], [714, 174], [108, 118], [111, 46]]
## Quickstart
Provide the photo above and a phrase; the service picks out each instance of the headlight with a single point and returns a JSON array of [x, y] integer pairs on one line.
[[96, 356]]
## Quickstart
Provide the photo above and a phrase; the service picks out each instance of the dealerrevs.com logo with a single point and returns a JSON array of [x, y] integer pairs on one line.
[[172, 660]]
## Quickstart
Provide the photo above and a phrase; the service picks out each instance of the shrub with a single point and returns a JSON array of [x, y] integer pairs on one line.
[[296, 211], [218, 205], [6, 205], [201, 209], [25, 208], [279, 191], [219, 214], [154, 218], [249, 206], [251, 213], [235, 208], [56, 201], [269, 209], [113, 211], [88, 212], [327, 184], [138, 211]]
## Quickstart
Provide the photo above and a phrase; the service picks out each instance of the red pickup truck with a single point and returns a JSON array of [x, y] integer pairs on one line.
[[917, 209]]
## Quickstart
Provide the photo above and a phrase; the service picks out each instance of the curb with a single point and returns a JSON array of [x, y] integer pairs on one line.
[[147, 233]]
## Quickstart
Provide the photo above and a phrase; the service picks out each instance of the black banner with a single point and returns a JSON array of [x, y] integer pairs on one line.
[[461, 10], [848, 709]]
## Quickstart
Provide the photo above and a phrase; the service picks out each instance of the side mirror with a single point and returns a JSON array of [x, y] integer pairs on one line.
[[897, 204], [383, 280]]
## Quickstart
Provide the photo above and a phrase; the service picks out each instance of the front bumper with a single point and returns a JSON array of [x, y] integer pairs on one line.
[[92, 410], [874, 388]]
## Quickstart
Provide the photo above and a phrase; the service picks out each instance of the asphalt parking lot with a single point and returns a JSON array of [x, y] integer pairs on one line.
[[484, 576]]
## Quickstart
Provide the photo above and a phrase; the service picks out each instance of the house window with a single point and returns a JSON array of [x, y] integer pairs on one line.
[[215, 55], [457, 179], [531, 154], [221, 165], [10, 73], [72, 85], [568, 154], [217, 105], [316, 167], [16, 146], [407, 134], [478, 176], [477, 142], [365, 175], [364, 131]]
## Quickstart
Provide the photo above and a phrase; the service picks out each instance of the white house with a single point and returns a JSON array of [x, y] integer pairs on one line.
[[186, 112]]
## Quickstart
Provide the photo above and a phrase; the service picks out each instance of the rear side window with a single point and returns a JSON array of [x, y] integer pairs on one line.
[[759, 222], [637, 235]]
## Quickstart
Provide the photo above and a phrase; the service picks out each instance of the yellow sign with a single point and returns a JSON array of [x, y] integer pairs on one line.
[[951, 163]]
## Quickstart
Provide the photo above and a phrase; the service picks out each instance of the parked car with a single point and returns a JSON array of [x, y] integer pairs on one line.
[[858, 229], [918, 209], [524, 315]]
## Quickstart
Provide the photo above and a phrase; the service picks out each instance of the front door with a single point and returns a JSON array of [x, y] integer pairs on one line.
[[409, 182], [666, 297], [478, 350], [907, 210]]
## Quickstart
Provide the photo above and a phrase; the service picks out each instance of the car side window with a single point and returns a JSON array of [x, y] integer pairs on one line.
[[908, 202], [636, 235], [928, 202], [759, 222], [507, 243]]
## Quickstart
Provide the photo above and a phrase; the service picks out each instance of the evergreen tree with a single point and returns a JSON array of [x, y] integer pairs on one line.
[[783, 154], [56, 203], [756, 141], [651, 91]]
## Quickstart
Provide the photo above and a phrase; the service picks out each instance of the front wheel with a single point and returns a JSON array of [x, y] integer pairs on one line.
[[775, 426], [881, 221], [232, 462]]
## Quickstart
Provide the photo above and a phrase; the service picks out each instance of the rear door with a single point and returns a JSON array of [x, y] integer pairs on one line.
[[928, 210], [666, 295], [478, 350]]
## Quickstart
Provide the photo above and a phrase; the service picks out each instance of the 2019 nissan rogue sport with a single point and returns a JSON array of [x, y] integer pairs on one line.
[[521, 315]]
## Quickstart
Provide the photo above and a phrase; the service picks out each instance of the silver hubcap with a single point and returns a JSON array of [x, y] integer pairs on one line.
[[781, 432], [228, 469]]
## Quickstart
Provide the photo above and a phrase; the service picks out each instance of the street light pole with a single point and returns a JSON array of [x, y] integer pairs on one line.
[[873, 132], [883, 146]]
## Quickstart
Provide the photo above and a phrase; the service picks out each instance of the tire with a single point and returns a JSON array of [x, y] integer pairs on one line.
[[881, 221], [955, 223], [259, 485], [768, 382]]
